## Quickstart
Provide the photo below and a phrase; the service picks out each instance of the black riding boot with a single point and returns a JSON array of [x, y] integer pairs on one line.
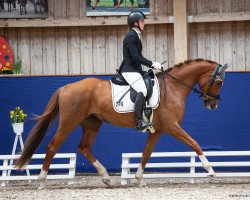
[[139, 104]]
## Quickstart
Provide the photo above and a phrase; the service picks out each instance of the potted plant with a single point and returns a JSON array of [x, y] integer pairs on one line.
[[17, 117], [17, 67]]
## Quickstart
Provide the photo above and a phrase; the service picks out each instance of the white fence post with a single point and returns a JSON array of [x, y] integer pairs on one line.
[[192, 168], [72, 161], [125, 171], [4, 173]]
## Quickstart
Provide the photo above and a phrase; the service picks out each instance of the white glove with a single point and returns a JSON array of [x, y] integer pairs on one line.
[[157, 65]]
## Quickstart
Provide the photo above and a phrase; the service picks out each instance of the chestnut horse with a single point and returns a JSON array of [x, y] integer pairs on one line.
[[88, 103]]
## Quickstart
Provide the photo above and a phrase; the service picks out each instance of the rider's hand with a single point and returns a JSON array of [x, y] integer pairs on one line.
[[157, 65]]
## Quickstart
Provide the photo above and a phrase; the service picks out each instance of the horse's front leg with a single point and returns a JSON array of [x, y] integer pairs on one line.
[[150, 144], [177, 132]]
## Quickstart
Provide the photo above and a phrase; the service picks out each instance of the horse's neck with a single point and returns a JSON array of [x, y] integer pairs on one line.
[[193, 72], [190, 74]]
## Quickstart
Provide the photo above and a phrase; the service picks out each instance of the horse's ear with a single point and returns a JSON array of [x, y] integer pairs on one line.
[[223, 68]]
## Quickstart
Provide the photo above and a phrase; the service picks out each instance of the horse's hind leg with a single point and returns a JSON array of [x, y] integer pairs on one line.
[[90, 127], [150, 144], [65, 128]]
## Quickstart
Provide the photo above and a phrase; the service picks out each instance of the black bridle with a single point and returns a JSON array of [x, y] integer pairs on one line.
[[207, 96]]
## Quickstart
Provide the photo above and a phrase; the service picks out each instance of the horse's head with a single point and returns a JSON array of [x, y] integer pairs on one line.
[[210, 88]]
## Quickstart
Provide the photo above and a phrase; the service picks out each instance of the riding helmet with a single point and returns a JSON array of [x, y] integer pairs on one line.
[[135, 16]]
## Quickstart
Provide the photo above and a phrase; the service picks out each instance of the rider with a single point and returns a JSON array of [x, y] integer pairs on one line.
[[131, 68]]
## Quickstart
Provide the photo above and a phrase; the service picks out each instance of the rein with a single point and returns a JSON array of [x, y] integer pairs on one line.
[[208, 96], [163, 81]]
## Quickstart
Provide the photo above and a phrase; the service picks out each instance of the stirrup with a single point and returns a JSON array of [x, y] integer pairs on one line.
[[141, 125]]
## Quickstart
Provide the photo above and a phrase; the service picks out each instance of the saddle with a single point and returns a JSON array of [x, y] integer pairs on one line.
[[148, 78]]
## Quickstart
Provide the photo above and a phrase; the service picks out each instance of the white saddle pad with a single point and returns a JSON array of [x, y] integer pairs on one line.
[[126, 105]]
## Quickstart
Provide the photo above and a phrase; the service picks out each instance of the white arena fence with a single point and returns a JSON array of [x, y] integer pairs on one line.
[[127, 165], [70, 166]]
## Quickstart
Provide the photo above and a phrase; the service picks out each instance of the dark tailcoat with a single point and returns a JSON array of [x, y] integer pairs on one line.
[[132, 54]]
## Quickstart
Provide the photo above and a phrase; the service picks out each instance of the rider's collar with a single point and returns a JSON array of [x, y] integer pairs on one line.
[[137, 31]]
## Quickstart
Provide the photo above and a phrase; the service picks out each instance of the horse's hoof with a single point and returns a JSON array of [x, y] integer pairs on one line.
[[139, 181], [141, 184], [42, 186], [211, 175], [139, 178], [107, 182]]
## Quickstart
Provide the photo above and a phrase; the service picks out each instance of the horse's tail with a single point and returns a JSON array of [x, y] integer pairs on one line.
[[37, 134]]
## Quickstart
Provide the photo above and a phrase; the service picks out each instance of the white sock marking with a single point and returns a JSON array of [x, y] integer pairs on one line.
[[101, 169]]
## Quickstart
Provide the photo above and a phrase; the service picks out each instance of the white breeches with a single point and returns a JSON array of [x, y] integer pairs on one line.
[[136, 81]]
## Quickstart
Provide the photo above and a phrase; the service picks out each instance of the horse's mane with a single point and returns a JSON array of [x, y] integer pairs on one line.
[[181, 64]]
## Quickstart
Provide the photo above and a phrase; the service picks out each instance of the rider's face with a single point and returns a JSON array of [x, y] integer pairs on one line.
[[141, 24]]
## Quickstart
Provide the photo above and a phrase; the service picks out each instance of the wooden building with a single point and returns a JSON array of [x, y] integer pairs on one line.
[[70, 42]]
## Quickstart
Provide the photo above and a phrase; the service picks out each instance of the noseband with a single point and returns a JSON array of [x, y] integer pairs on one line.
[[207, 96]]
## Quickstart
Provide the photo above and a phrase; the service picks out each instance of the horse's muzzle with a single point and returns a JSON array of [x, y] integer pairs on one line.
[[210, 104]]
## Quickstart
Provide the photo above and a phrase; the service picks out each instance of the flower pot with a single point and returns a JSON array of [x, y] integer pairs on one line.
[[18, 128]]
